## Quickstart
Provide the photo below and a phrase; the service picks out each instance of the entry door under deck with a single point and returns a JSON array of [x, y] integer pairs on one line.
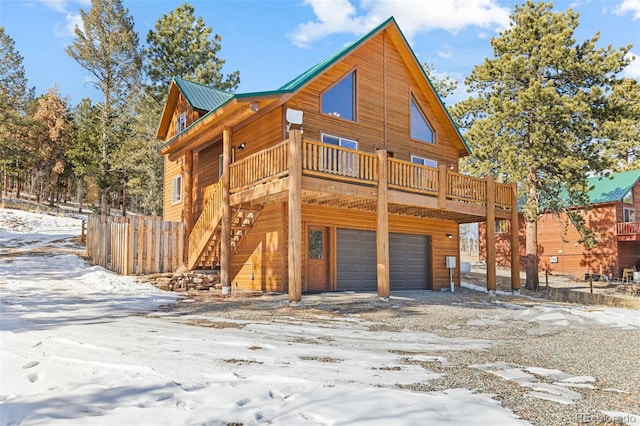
[[317, 258]]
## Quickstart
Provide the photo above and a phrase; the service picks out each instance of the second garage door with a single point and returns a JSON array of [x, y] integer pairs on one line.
[[408, 257]]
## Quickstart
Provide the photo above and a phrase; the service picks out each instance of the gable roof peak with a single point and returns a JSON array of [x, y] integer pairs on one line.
[[201, 96]]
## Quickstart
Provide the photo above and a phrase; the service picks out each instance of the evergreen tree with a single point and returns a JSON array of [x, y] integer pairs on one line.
[[538, 113], [623, 125], [14, 97], [182, 45], [444, 86], [107, 47], [83, 151], [52, 134]]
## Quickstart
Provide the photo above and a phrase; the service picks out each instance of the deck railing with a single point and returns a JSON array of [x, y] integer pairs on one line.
[[412, 177], [628, 228], [339, 163], [504, 195], [262, 166], [205, 225], [466, 188]]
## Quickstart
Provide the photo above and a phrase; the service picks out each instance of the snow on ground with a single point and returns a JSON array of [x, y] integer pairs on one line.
[[80, 343]]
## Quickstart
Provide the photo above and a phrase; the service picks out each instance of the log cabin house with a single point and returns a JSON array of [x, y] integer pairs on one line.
[[615, 201], [342, 179]]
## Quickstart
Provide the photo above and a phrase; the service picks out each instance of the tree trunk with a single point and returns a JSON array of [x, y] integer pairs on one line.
[[52, 190], [531, 259], [531, 218]]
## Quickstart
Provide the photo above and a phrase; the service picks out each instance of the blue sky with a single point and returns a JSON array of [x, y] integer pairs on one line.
[[271, 42]]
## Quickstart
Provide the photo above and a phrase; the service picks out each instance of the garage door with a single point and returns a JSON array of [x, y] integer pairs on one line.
[[408, 258]]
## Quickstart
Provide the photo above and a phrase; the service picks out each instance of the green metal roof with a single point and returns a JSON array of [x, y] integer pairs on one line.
[[613, 188], [199, 96]]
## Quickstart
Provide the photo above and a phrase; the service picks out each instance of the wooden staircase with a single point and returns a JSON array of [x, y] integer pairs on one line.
[[204, 239]]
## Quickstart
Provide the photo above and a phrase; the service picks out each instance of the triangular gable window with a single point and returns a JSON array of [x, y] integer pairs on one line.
[[420, 128], [339, 100]]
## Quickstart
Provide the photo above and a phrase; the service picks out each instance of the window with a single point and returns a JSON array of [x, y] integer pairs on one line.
[[502, 226], [420, 128], [176, 189], [628, 199], [339, 99], [220, 166], [316, 243], [628, 215], [343, 142], [424, 161], [181, 122], [340, 162]]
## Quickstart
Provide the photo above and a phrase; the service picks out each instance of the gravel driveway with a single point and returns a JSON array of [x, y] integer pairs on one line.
[[551, 364]]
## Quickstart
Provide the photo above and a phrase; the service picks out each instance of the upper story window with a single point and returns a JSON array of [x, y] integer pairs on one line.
[[339, 99], [420, 128], [424, 161], [336, 140], [628, 199], [176, 189], [181, 122], [628, 215]]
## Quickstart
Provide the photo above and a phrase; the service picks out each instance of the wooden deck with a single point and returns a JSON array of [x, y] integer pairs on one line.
[[628, 231], [340, 177]]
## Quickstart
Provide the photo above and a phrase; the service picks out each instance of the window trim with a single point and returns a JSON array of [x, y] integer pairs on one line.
[[628, 214], [413, 156], [502, 226], [176, 190], [181, 123], [354, 95], [412, 100], [340, 139]]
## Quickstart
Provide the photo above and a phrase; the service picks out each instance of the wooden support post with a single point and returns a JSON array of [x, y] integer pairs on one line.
[[187, 190], [491, 234], [515, 240], [442, 186], [295, 216], [382, 227], [225, 234]]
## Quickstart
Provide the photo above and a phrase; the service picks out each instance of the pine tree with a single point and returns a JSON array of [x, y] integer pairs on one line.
[[183, 46], [538, 112], [445, 86], [52, 134], [14, 97], [84, 150], [107, 47]]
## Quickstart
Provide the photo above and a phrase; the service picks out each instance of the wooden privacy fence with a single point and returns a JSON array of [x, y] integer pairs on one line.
[[135, 245]]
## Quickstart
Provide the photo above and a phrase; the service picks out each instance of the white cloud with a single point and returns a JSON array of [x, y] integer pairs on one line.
[[632, 6], [68, 29], [445, 51], [633, 69], [63, 5], [413, 16]]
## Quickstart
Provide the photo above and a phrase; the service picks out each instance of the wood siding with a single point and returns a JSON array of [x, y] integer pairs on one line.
[[172, 168], [205, 173], [258, 264], [384, 86]]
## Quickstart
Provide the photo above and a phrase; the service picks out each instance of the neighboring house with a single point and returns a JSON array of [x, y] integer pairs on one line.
[[367, 199], [615, 205]]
